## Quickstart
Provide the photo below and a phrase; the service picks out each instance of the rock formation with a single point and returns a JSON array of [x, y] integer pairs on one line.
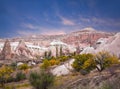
[[6, 52], [63, 69], [86, 36], [112, 45], [22, 49]]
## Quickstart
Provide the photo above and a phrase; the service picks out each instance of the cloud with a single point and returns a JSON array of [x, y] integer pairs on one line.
[[66, 21], [24, 33], [105, 22], [54, 33], [32, 29], [30, 26], [28, 33]]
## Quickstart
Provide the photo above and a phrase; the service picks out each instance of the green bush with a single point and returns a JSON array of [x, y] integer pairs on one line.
[[10, 79], [13, 65], [41, 80], [63, 58], [20, 76], [83, 62], [45, 64]]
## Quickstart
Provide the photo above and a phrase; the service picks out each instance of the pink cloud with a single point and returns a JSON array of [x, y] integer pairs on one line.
[[54, 33], [66, 21]]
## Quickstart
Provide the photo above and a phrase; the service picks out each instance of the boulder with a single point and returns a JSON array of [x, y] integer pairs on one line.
[[63, 69]]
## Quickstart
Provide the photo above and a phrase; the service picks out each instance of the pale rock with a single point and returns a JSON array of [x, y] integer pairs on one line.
[[63, 69]]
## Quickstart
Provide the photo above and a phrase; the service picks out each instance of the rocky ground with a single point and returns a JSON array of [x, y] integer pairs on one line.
[[94, 80]]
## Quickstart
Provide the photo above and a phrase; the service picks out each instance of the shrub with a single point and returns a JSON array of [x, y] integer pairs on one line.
[[23, 67], [5, 73], [13, 65], [63, 58], [54, 62], [10, 87], [89, 65], [41, 80], [10, 79], [20, 76], [83, 61], [104, 59], [45, 64]]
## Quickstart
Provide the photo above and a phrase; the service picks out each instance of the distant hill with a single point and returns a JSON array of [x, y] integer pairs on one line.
[[85, 36]]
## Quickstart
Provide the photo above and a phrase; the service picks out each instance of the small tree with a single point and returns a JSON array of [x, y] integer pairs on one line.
[[49, 56], [5, 73], [56, 51], [104, 59], [41, 80], [45, 54], [61, 52]]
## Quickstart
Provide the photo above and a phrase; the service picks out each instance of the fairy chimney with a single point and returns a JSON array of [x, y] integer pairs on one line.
[[6, 52]]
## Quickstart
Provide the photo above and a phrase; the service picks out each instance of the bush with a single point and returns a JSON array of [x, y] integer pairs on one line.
[[10, 87], [13, 65], [10, 79], [5, 73], [104, 59], [20, 76], [54, 62], [23, 67], [45, 64], [41, 80], [83, 62], [63, 58]]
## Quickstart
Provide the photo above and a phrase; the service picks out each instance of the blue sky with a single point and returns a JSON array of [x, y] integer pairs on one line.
[[28, 17]]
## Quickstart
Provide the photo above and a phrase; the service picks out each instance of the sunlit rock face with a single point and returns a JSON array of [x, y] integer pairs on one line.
[[88, 50], [64, 69], [60, 45], [86, 36], [112, 45], [22, 49], [6, 51]]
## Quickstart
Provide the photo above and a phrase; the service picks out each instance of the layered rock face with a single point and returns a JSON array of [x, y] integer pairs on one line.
[[6, 52], [87, 36], [111, 45], [83, 37]]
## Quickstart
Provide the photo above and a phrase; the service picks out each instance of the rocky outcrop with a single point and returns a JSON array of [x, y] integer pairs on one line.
[[86, 36], [63, 69], [22, 50], [111, 45], [6, 51]]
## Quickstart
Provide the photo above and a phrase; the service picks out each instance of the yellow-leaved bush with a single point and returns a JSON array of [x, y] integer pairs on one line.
[[47, 63], [5, 73], [83, 61], [87, 62]]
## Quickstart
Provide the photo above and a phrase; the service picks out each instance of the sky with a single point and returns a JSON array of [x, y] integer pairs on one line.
[[30, 17]]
